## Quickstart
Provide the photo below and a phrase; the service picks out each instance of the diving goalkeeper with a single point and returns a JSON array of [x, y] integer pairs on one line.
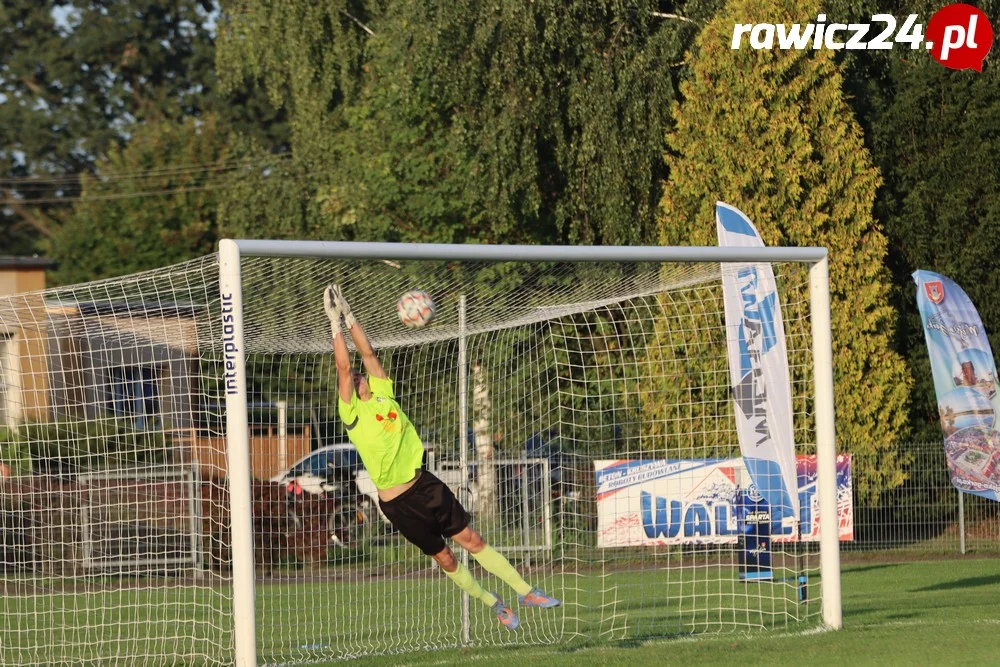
[[421, 507]]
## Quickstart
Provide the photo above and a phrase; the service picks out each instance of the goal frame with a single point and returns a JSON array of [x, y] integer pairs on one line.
[[231, 251], [186, 475]]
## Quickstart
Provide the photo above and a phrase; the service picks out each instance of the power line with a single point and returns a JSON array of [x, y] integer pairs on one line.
[[136, 179], [38, 183], [22, 182], [8, 201]]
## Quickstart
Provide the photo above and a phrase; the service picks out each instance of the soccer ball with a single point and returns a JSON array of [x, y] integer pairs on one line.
[[415, 308]]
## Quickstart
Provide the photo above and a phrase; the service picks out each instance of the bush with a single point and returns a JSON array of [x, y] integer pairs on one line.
[[69, 446], [14, 452]]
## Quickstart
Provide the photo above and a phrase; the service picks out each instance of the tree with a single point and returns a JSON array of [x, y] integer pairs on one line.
[[75, 74], [939, 145], [459, 122], [128, 223], [518, 122], [935, 135], [769, 132], [78, 77]]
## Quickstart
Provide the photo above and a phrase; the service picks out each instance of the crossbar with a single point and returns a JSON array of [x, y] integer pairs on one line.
[[474, 252]]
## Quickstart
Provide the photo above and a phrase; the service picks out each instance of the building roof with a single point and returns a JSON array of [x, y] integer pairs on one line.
[[138, 309], [11, 262]]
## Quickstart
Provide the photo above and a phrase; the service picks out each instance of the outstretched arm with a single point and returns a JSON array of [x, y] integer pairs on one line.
[[345, 383], [371, 362], [361, 342]]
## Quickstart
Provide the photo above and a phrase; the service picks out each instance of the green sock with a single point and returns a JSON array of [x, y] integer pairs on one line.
[[501, 567], [464, 580]]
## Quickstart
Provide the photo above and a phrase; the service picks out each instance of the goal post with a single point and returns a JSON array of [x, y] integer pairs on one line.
[[826, 448], [819, 308], [238, 453]]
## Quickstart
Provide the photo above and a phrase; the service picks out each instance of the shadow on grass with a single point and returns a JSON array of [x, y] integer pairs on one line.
[[864, 611], [971, 582], [644, 639], [868, 568], [630, 643]]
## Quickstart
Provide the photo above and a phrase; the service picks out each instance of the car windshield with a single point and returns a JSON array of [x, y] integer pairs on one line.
[[348, 458], [320, 462], [314, 465]]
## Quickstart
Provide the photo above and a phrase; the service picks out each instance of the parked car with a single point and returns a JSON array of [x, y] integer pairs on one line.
[[333, 469], [336, 472], [547, 445]]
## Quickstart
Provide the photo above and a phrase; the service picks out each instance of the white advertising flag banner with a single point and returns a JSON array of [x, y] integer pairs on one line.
[[758, 366]]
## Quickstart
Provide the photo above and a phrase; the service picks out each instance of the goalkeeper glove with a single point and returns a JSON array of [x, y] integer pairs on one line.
[[332, 310], [343, 306]]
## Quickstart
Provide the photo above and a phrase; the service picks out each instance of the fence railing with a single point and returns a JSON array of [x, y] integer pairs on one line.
[[926, 515], [43, 525]]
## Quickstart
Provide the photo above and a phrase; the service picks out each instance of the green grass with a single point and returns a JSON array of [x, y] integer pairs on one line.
[[916, 613], [387, 615], [922, 612]]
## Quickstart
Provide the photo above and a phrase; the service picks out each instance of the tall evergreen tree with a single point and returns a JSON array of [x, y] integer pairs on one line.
[[769, 131]]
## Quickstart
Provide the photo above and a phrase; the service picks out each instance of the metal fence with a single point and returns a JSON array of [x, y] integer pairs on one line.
[[926, 515]]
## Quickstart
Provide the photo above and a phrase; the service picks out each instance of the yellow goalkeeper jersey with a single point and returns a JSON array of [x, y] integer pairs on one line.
[[386, 440]]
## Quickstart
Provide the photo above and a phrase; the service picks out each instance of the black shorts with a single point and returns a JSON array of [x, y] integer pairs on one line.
[[426, 513]]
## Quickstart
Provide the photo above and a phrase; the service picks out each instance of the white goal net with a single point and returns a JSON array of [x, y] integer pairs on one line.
[[581, 411]]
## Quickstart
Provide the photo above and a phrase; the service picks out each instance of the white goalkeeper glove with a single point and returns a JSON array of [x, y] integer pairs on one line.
[[343, 306], [332, 310]]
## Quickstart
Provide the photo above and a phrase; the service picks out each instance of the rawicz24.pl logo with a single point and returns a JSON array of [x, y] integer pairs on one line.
[[958, 36]]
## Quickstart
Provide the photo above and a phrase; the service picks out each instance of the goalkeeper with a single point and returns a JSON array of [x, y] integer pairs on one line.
[[421, 507]]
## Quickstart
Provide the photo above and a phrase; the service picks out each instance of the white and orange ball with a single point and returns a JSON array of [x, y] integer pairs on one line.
[[415, 308]]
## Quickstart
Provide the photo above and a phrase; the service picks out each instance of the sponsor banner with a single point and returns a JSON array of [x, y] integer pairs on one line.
[[758, 366], [965, 382], [694, 501]]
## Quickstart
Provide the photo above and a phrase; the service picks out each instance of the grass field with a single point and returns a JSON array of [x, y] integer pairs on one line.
[[916, 613], [921, 612]]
